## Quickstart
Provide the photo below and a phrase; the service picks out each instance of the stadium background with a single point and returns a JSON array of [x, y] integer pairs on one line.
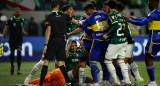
[[33, 45]]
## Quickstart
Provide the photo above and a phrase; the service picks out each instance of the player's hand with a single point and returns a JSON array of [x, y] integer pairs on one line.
[[44, 50], [70, 42], [3, 40], [25, 33], [131, 17], [86, 16], [126, 18], [79, 40], [67, 35], [105, 37]]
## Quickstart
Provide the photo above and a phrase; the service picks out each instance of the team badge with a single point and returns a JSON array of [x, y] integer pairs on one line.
[[112, 17], [14, 24]]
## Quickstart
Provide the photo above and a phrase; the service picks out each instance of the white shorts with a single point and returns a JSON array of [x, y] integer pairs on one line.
[[129, 50], [71, 75], [115, 51]]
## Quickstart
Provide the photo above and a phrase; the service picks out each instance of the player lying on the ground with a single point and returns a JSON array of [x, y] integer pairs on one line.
[[55, 77]]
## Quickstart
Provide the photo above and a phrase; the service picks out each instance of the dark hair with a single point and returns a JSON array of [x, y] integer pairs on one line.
[[16, 8], [132, 13], [54, 3], [66, 7], [120, 6], [74, 41], [112, 4], [89, 6], [92, 2], [158, 1]]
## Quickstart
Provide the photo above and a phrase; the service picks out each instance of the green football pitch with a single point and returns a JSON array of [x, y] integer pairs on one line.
[[9, 80]]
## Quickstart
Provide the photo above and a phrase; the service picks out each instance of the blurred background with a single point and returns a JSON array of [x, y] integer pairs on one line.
[[35, 11]]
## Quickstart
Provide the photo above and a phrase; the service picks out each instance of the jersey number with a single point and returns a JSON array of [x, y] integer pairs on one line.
[[120, 29], [99, 27]]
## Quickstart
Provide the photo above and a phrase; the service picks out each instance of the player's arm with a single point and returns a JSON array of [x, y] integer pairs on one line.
[[144, 21], [69, 45], [76, 31], [4, 33], [115, 24], [75, 22], [47, 36], [84, 49], [24, 32]]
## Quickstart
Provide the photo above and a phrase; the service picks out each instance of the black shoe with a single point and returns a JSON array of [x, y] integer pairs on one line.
[[12, 70], [18, 72]]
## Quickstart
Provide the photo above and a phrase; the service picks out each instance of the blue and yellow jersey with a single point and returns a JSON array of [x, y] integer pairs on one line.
[[153, 20], [97, 22]]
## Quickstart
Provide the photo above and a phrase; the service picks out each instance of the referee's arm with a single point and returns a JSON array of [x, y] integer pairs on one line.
[[47, 36], [4, 33]]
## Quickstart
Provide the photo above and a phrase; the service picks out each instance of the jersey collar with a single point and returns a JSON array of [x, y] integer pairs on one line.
[[56, 12], [16, 17]]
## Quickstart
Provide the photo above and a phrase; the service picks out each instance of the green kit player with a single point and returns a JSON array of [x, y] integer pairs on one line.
[[117, 46]]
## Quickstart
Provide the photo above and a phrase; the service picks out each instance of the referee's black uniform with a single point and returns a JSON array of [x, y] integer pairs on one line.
[[15, 32], [15, 26], [57, 41]]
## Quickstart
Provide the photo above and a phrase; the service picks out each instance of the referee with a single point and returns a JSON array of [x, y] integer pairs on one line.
[[15, 25], [55, 39]]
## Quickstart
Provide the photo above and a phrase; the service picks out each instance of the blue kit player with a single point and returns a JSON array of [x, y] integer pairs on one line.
[[153, 45], [97, 22]]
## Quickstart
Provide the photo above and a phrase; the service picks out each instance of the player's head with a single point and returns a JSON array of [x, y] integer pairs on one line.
[[120, 6], [106, 8], [73, 47], [110, 4], [92, 2], [68, 9], [152, 4], [89, 8], [54, 4], [17, 12]]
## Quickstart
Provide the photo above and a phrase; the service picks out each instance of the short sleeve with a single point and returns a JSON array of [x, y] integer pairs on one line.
[[48, 21], [8, 22], [151, 16], [113, 18]]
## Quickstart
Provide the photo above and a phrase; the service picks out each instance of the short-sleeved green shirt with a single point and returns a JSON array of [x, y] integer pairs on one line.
[[72, 59], [117, 34]]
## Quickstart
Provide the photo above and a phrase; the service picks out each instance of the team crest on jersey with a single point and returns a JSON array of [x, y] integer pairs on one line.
[[112, 17], [14, 24]]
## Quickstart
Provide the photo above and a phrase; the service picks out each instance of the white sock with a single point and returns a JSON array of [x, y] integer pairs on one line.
[[81, 74], [36, 68], [129, 72], [135, 70], [100, 76], [124, 70], [112, 70]]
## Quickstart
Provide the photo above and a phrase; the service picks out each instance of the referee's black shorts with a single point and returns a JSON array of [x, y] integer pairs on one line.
[[56, 47], [14, 44]]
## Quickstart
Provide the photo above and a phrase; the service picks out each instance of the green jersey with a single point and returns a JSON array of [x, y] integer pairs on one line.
[[72, 59], [116, 28], [127, 31]]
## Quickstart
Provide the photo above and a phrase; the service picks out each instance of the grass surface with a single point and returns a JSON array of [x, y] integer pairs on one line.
[[7, 79]]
